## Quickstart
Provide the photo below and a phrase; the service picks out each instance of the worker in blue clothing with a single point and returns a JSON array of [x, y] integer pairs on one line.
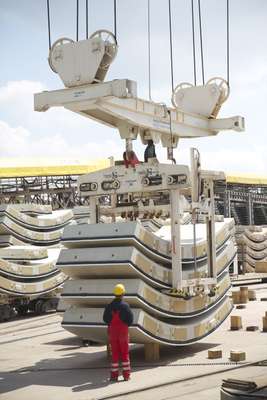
[[150, 151], [119, 317]]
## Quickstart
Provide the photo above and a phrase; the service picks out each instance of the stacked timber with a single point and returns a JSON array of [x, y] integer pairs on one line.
[[98, 256], [29, 249], [252, 246]]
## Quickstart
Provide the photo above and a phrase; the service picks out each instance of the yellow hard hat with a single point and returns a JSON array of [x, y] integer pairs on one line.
[[119, 290]]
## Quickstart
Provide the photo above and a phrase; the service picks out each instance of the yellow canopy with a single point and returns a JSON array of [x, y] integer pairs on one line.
[[246, 179], [25, 168]]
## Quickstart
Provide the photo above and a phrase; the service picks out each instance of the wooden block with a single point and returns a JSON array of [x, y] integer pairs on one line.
[[236, 297], [252, 328], [261, 266], [237, 355], [263, 298], [243, 298], [151, 351], [214, 354], [264, 324], [236, 322], [252, 295]]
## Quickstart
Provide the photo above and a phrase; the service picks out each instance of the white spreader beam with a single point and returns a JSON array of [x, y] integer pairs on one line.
[[116, 104]]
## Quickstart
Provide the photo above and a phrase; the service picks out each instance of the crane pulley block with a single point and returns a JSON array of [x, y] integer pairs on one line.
[[83, 62], [205, 100]]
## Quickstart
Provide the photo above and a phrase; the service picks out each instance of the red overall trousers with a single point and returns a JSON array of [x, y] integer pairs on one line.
[[119, 340]]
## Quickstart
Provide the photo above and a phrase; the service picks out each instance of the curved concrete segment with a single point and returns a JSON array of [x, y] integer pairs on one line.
[[10, 240], [56, 220], [23, 288], [98, 292], [33, 269], [9, 227], [88, 324], [257, 236], [257, 246], [23, 253], [129, 262], [156, 245], [33, 209]]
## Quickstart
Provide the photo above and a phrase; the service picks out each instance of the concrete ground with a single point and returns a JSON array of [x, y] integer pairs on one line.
[[39, 360]]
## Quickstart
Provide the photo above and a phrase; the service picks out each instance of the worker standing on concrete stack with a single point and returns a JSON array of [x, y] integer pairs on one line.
[[119, 317]]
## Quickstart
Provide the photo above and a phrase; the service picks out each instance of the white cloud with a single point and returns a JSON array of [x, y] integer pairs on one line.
[[56, 133], [19, 142]]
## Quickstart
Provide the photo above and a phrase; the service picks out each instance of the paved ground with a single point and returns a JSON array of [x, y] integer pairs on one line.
[[39, 360]]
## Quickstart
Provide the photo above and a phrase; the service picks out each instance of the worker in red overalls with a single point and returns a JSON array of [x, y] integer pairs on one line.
[[130, 159], [119, 317]]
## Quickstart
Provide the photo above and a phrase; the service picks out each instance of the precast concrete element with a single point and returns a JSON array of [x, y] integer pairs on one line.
[[156, 245], [23, 253], [252, 246], [98, 292], [137, 254], [33, 269], [56, 220], [29, 277], [33, 209], [10, 240], [88, 324], [9, 227], [34, 287], [129, 262]]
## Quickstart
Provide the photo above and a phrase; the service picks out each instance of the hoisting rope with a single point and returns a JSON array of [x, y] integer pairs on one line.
[[193, 41], [171, 52], [77, 20], [86, 16], [227, 43], [149, 49], [201, 42], [48, 23], [115, 19], [170, 149]]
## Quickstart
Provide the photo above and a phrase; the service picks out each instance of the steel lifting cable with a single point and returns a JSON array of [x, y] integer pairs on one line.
[[172, 79], [48, 23], [115, 18], [228, 42], [77, 20], [193, 41], [201, 42], [171, 52], [149, 49], [86, 17]]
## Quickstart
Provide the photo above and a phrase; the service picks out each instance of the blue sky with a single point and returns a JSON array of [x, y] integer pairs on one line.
[[60, 133]]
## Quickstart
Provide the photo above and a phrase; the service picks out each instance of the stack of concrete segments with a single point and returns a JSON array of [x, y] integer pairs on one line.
[[252, 246], [29, 249], [101, 255], [42, 230]]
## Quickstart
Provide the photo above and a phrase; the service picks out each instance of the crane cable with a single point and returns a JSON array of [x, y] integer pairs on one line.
[[171, 52], [115, 19], [86, 17], [77, 20], [227, 42], [170, 150], [201, 42], [193, 41], [48, 23], [149, 49]]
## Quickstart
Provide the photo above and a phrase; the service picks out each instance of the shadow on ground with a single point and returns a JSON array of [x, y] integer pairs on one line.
[[87, 368]]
